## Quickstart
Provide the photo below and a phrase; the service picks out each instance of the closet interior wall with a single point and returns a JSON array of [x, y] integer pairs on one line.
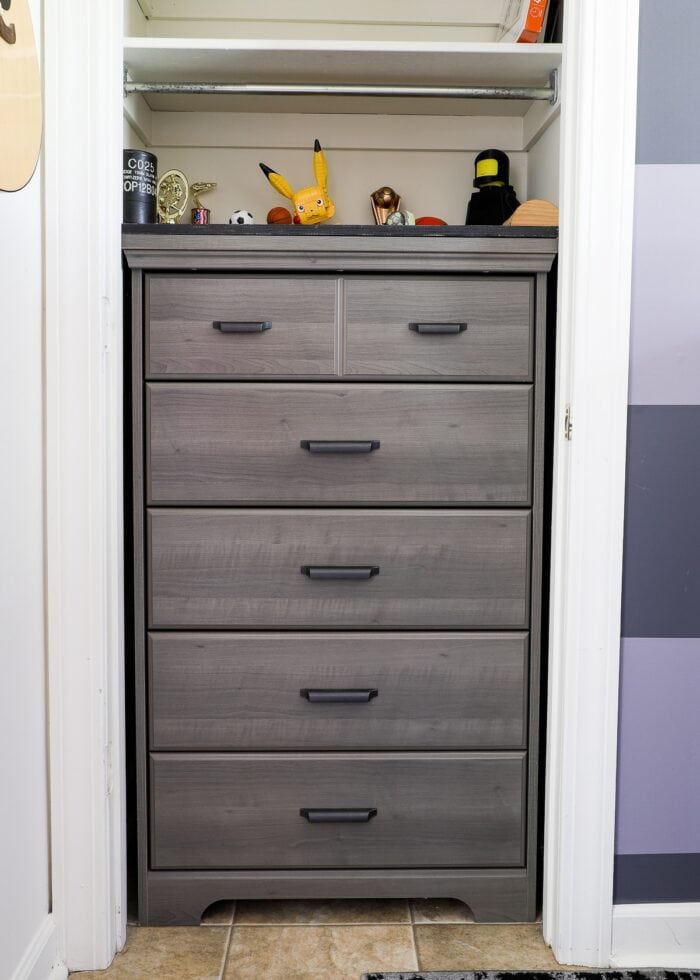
[[424, 148]]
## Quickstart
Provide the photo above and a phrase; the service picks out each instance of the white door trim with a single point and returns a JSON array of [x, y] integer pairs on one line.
[[41, 960], [665, 936], [84, 531], [599, 98], [84, 476]]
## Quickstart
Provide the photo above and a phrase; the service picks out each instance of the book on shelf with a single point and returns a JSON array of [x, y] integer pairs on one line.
[[553, 32], [524, 21]]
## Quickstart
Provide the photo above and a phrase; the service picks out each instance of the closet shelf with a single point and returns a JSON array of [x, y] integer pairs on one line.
[[402, 73]]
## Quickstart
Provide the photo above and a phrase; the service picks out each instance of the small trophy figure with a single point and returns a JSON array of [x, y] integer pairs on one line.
[[173, 191], [200, 214], [385, 201]]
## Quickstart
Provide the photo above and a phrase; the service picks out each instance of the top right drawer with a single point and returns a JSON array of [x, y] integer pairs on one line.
[[440, 328]]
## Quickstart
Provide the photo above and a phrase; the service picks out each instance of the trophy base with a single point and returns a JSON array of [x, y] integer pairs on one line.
[[201, 216]]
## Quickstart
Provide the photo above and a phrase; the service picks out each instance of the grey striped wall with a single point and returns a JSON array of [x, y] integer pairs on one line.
[[658, 803]]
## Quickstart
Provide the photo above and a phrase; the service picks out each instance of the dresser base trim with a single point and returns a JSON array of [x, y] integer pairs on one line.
[[179, 898]]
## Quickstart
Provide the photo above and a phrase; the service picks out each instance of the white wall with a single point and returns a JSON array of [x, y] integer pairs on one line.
[[400, 20], [24, 836], [543, 165], [134, 21], [132, 141], [429, 160], [431, 183]]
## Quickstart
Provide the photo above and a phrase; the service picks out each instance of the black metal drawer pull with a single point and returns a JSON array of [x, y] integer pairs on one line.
[[438, 327], [233, 326], [338, 816], [340, 573], [350, 695], [340, 445]]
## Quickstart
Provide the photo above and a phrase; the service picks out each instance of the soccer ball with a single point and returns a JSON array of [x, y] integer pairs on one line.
[[241, 218]]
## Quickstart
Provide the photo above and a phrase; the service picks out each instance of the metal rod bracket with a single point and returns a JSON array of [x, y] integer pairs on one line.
[[554, 86]]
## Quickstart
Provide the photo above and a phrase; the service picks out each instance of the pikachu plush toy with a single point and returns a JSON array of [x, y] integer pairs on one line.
[[312, 205]]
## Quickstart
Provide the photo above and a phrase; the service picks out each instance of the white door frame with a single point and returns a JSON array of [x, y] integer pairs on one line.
[[84, 499], [599, 110], [84, 476]]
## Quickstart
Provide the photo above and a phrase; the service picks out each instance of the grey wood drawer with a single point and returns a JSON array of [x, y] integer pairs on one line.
[[319, 443], [361, 691], [496, 344], [243, 568], [243, 811], [181, 338]]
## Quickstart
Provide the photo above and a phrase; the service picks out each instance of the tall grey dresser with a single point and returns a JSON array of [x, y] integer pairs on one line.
[[338, 458]]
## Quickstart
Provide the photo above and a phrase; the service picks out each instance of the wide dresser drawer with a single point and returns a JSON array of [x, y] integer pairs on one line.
[[337, 691], [335, 568], [337, 810], [231, 443], [237, 326], [439, 327]]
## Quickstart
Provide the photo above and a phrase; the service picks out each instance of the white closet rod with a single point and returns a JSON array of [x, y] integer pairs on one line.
[[525, 93]]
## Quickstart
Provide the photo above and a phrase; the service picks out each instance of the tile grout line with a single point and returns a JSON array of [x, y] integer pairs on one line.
[[412, 920], [327, 925], [227, 950], [412, 916], [364, 925]]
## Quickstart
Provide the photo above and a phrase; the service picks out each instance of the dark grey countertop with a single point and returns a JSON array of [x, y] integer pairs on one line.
[[338, 231]]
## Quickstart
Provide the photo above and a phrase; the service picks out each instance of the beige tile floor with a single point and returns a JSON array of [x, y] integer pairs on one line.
[[332, 940]]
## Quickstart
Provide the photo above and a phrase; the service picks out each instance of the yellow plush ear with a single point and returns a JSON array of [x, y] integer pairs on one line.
[[278, 182], [320, 168]]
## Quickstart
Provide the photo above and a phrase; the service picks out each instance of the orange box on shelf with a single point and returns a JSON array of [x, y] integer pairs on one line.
[[524, 21]]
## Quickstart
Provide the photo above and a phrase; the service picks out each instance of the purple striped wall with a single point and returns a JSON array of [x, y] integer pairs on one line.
[[659, 810], [665, 349], [658, 801]]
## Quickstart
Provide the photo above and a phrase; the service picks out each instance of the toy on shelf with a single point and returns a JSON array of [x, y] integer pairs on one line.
[[428, 220], [401, 218], [279, 216], [140, 183], [385, 201], [200, 214], [495, 200], [241, 218], [312, 205], [535, 213], [173, 192]]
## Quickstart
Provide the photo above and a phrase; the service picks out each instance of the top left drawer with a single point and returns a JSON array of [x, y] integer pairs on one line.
[[239, 327]]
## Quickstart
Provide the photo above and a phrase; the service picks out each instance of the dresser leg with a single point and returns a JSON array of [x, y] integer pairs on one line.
[[171, 904], [493, 909]]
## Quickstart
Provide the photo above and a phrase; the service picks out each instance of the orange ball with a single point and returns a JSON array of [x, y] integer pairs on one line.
[[430, 221], [279, 216]]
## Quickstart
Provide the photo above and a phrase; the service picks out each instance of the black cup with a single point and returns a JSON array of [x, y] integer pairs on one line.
[[140, 187]]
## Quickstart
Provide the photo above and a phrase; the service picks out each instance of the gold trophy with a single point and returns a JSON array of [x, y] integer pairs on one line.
[[385, 201], [200, 214], [173, 192]]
